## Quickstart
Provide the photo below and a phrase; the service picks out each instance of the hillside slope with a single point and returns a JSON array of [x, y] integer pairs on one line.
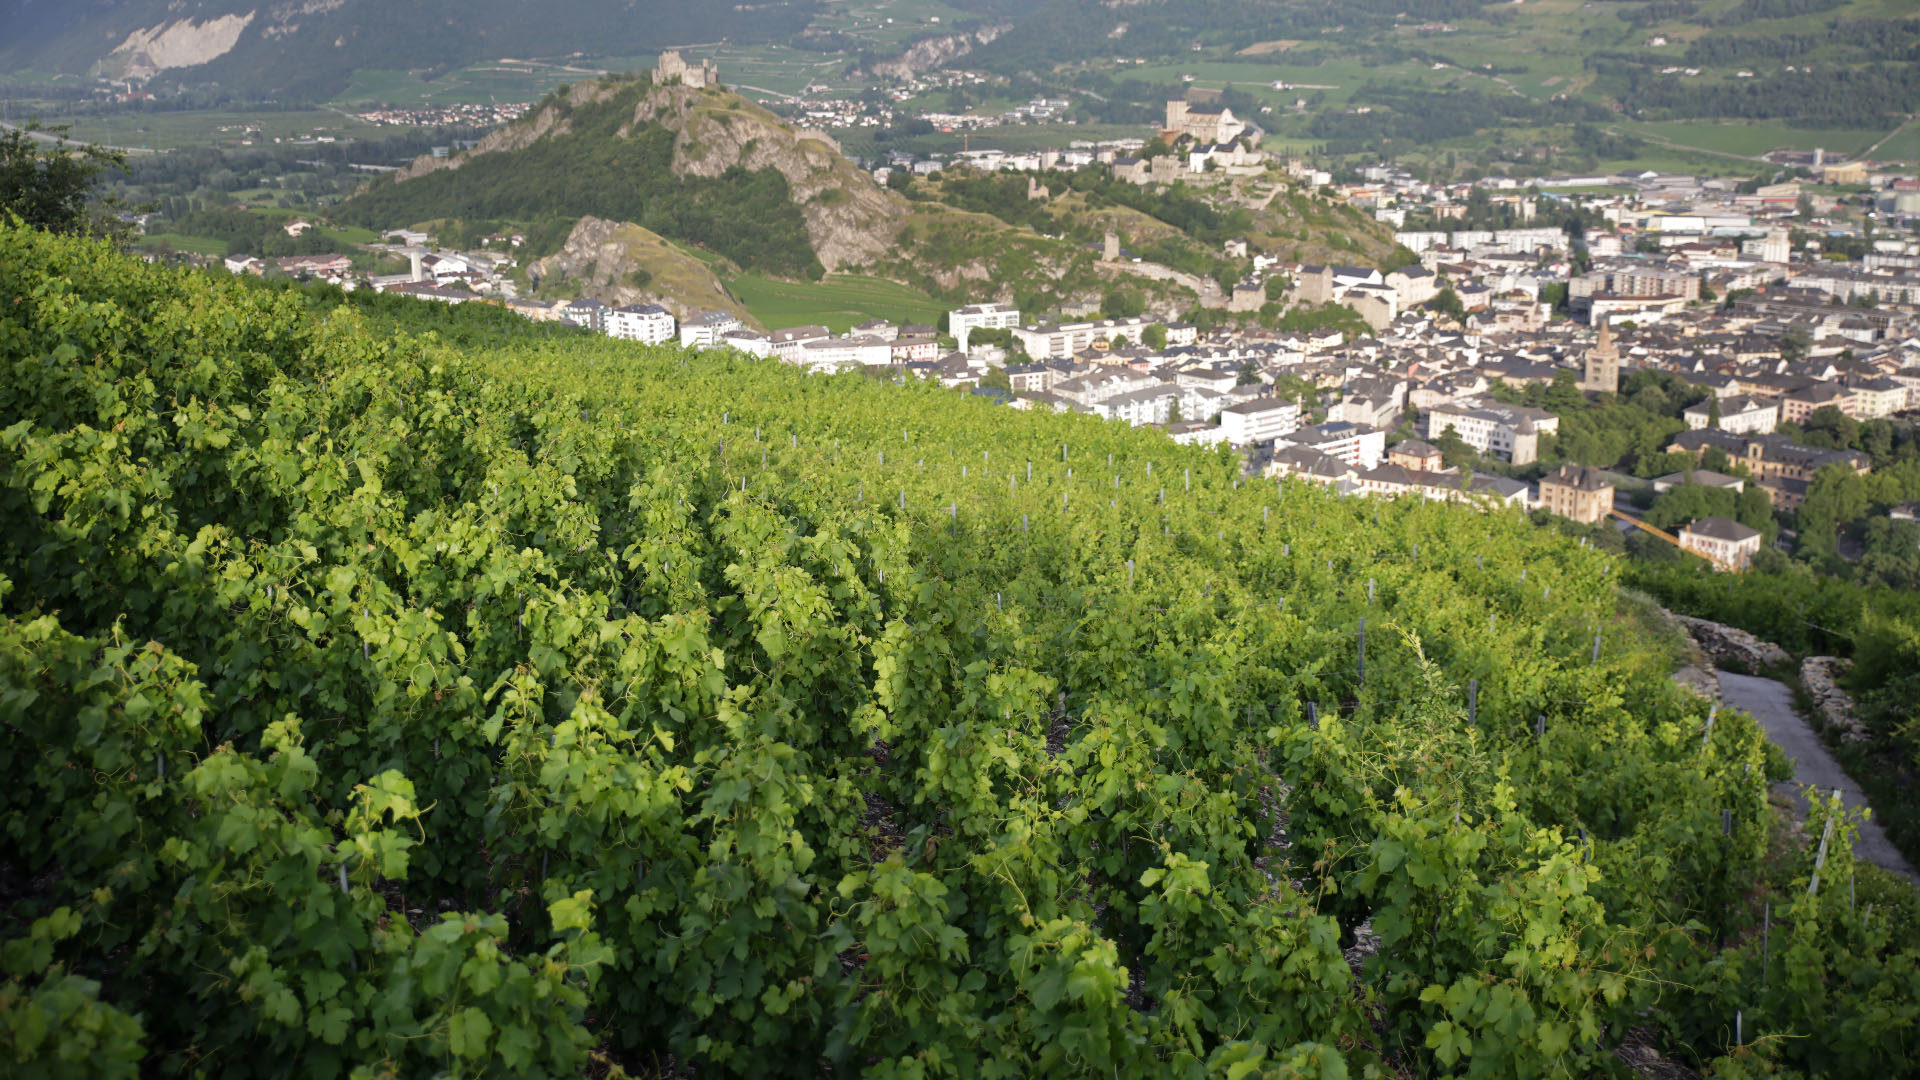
[[564, 706], [309, 49], [693, 165], [619, 262]]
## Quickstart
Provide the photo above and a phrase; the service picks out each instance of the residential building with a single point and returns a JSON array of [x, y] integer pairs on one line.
[[1414, 455], [704, 331], [1577, 492], [1797, 406], [842, 354], [1356, 445], [1741, 414], [1491, 427], [1064, 340], [1258, 421], [649, 324], [1728, 545], [963, 321], [1702, 477], [786, 344]]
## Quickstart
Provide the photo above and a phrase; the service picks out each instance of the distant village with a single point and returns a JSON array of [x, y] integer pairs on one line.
[[1698, 278]]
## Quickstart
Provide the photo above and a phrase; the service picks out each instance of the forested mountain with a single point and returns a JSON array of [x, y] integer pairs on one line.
[[308, 49], [544, 705]]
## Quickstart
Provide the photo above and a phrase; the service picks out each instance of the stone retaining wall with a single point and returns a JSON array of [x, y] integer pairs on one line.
[[1726, 643], [1832, 706]]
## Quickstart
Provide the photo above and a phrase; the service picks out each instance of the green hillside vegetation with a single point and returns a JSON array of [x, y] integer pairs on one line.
[[838, 301], [544, 705], [620, 262], [597, 167]]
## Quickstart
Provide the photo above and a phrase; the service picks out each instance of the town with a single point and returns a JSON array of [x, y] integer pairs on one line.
[[1770, 306]]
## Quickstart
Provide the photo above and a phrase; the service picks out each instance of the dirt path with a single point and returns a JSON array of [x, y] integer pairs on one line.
[[1771, 703]]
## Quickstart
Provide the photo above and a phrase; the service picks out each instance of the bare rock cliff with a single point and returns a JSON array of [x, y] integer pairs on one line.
[[851, 221], [601, 256]]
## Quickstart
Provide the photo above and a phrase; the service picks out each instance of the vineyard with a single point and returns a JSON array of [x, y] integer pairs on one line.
[[373, 706]]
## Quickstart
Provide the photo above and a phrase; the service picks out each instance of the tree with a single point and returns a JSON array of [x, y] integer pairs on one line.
[[1447, 302], [1713, 411], [996, 379], [1454, 451], [51, 185], [1154, 336]]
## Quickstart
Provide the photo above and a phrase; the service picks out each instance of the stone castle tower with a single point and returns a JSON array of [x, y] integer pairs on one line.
[[1603, 364], [673, 66]]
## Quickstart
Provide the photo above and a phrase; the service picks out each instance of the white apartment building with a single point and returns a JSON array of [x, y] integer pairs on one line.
[[963, 321], [1049, 342], [648, 324], [705, 331], [1726, 544], [842, 354], [1258, 421], [1510, 431], [786, 344], [1153, 405], [751, 342], [1357, 445], [1740, 414]]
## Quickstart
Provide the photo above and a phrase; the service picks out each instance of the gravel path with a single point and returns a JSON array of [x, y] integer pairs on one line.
[[1771, 703]]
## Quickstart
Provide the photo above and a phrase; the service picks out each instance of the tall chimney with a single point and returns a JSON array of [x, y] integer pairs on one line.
[[419, 270]]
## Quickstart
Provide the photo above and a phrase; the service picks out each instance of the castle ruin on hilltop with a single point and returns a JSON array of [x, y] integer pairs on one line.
[[673, 66]]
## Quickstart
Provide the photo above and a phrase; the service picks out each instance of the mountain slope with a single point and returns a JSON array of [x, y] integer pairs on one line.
[[621, 263], [706, 167], [309, 49]]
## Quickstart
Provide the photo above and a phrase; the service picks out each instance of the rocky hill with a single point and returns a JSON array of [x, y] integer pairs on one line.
[[691, 165], [619, 262]]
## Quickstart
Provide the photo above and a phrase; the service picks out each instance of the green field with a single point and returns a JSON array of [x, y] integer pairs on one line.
[[174, 130], [477, 84], [838, 302], [1903, 146], [1752, 138]]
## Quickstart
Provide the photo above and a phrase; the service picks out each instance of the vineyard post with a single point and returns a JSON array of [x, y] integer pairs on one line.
[[756, 433], [1029, 472], [1596, 648], [903, 498], [724, 416], [1820, 857], [1286, 550], [1479, 562], [860, 495], [1369, 591], [1540, 726], [1129, 573], [1024, 523], [1739, 1027], [1726, 822], [1473, 701], [1493, 619], [1063, 451], [1766, 942], [1712, 711], [1363, 648], [1546, 593], [1313, 716], [1189, 478]]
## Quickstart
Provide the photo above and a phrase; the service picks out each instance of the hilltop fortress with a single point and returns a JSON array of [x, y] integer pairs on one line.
[[673, 66]]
